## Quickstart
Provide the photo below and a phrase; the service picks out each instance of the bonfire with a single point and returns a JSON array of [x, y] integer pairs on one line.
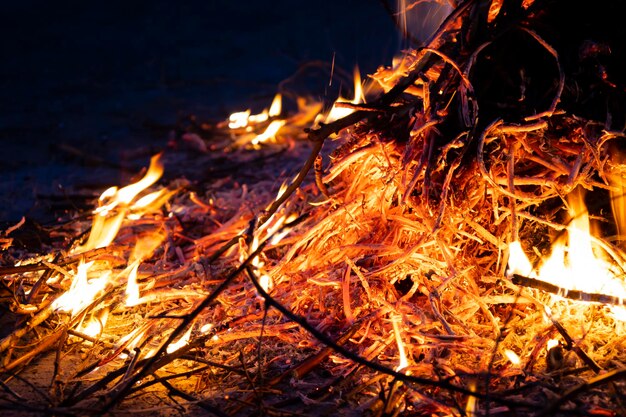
[[447, 241]]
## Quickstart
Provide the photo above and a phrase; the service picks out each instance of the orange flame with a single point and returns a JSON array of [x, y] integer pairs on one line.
[[576, 264], [95, 325], [144, 247], [82, 290], [115, 206], [126, 195], [552, 343], [105, 227], [247, 121], [270, 132], [181, 342], [337, 112], [132, 288], [244, 119]]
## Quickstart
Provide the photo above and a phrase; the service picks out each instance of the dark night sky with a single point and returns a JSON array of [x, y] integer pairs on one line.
[[92, 75]]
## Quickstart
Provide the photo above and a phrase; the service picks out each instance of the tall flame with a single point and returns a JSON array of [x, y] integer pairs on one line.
[[574, 263], [518, 261], [132, 287], [115, 206], [125, 195], [144, 247], [105, 226]]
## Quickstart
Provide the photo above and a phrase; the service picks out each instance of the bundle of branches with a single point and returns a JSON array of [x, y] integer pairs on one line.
[[379, 287]]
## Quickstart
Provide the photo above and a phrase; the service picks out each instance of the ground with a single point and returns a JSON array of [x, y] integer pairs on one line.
[[91, 90]]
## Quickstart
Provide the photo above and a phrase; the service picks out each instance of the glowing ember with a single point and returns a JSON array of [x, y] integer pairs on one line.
[[552, 343], [403, 361], [472, 401], [512, 356], [345, 293]]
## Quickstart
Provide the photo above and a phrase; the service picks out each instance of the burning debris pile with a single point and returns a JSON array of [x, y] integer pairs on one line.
[[438, 260]]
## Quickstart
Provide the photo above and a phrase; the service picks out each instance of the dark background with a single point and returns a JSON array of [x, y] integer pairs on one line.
[[85, 83]]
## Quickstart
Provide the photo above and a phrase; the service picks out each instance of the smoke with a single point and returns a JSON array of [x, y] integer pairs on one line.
[[421, 18]]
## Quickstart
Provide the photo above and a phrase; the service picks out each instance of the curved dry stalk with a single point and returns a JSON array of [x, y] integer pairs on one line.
[[557, 97]]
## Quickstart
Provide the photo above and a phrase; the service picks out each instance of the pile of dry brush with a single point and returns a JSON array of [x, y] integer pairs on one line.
[[386, 292]]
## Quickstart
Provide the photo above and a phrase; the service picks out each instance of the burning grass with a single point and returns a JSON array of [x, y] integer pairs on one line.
[[396, 282]]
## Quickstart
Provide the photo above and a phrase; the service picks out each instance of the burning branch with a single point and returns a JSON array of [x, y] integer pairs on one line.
[[570, 294]]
